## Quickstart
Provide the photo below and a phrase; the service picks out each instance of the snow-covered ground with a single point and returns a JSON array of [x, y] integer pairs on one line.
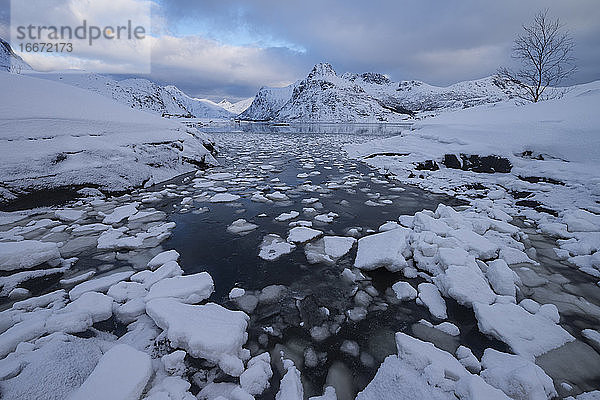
[[55, 135], [546, 159]]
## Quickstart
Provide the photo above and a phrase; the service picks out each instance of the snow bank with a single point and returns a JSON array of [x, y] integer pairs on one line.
[[56, 135], [121, 374]]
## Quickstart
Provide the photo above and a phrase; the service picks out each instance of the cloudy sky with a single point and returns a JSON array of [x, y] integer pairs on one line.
[[219, 49]]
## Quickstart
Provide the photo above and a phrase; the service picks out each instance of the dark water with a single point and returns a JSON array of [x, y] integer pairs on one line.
[[232, 260]]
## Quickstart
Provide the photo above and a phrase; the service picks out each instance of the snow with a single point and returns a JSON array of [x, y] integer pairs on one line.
[[466, 284], [81, 314], [404, 291], [422, 371], [27, 254], [69, 215], [57, 135], [237, 107], [162, 258], [255, 379], [241, 227], [224, 198], [430, 296], [528, 335], [236, 292], [101, 284], [290, 387], [121, 374], [324, 96], [516, 376], [301, 234], [385, 249], [273, 247], [207, 331], [141, 94], [149, 278], [187, 288], [287, 216], [328, 249], [120, 213]]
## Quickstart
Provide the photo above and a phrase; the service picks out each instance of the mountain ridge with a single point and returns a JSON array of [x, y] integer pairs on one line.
[[325, 96]]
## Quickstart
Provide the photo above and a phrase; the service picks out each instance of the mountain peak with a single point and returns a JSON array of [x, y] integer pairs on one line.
[[322, 69]]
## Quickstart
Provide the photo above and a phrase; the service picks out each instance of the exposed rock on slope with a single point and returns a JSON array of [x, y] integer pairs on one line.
[[9, 61]]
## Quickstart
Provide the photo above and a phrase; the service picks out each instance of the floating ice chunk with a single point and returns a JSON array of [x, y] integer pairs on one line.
[[422, 371], [516, 376], [187, 289], [236, 292], [325, 218], [27, 254], [502, 278], [430, 296], [350, 347], [290, 387], [448, 327], [120, 213], [77, 278], [287, 216], [476, 244], [149, 278], [144, 217], [277, 196], [388, 226], [255, 379], [208, 331], [259, 198], [515, 256], [328, 394], [125, 291], [81, 314], [529, 335], [273, 247], [593, 337], [404, 291], [386, 249], [220, 176], [465, 284], [174, 362], [328, 249], [530, 305], [163, 258], [301, 234], [241, 227], [310, 200], [468, 360], [69, 215], [99, 284], [89, 229], [224, 198], [121, 374]]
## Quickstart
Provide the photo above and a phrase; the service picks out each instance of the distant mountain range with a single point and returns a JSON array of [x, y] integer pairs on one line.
[[325, 96]]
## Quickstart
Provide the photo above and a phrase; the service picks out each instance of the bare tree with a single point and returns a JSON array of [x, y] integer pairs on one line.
[[545, 53]]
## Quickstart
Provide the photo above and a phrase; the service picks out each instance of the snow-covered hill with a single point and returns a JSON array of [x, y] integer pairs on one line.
[[325, 96], [237, 107], [54, 135], [143, 94], [9, 61]]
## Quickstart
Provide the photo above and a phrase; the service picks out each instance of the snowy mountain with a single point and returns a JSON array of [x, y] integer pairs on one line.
[[143, 94], [237, 107], [58, 136], [9, 61], [325, 96]]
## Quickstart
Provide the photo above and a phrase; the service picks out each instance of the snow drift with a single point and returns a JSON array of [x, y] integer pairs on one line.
[[56, 135]]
